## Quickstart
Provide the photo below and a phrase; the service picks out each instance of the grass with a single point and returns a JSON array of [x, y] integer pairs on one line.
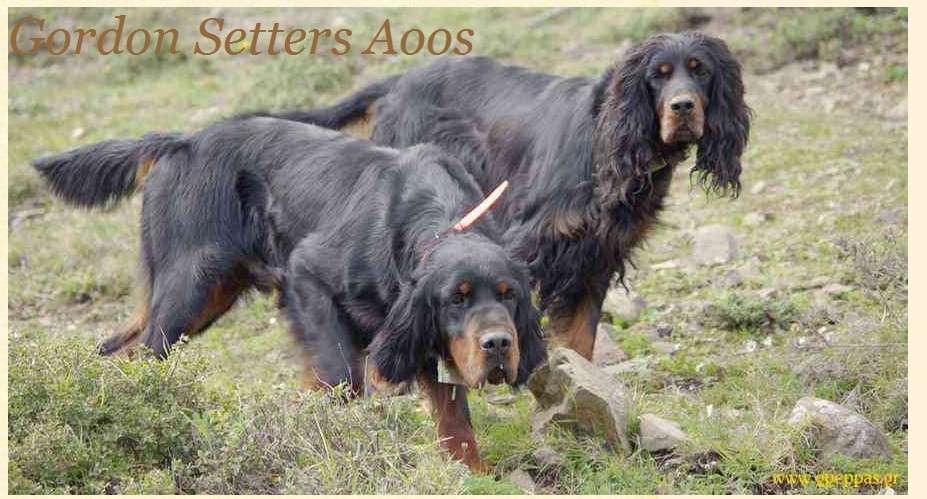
[[226, 415], [117, 426]]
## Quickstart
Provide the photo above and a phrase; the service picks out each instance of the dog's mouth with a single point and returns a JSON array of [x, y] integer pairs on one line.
[[497, 375], [684, 134]]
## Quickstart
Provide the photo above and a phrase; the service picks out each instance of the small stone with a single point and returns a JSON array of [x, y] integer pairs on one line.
[[663, 347], [731, 278], [621, 303], [714, 244], [203, 115], [755, 218], [815, 90], [758, 187], [836, 289], [522, 479], [751, 269], [606, 352], [77, 133], [664, 330], [502, 399], [840, 430], [667, 265], [23, 215], [889, 217], [658, 434], [899, 111], [547, 456], [814, 282], [767, 293], [638, 365]]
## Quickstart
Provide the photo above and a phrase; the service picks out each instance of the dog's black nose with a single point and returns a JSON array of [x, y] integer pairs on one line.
[[682, 106], [496, 342]]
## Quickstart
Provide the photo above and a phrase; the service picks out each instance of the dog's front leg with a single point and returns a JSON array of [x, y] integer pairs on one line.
[[448, 405]]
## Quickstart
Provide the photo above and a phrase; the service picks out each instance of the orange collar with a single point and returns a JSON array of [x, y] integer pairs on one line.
[[470, 218]]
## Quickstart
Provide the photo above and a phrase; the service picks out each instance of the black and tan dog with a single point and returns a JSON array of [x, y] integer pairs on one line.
[[590, 159], [372, 270]]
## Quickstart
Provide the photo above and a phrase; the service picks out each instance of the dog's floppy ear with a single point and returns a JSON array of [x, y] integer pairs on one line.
[[531, 346], [406, 337], [727, 124], [625, 128]]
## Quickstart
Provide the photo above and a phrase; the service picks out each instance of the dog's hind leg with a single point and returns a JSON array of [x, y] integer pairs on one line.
[[575, 327], [129, 332], [185, 301]]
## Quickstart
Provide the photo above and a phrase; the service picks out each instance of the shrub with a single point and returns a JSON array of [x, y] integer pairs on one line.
[[739, 312], [81, 423]]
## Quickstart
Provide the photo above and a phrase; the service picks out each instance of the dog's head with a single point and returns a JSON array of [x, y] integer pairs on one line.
[[470, 306], [674, 90]]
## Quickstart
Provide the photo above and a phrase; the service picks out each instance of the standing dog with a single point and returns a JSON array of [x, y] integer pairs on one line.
[[590, 159], [378, 278]]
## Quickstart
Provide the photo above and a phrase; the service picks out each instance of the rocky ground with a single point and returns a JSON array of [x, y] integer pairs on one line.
[[763, 339]]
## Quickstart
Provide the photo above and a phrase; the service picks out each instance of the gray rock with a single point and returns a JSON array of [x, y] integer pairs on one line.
[[713, 244], [889, 217], [756, 218], [731, 278], [758, 187], [546, 456], [751, 268], [840, 431], [644, 328], [664, 330], [658, 434], [606, 352], [899, 111], [619, 302], [522, 479], [573, 393]]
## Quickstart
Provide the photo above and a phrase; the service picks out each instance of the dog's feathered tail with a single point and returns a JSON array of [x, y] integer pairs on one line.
[[101, 174], [342, 112]]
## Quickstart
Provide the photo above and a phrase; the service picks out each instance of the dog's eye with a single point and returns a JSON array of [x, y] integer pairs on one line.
[[696, 67], [458, 299], [665, 69]]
